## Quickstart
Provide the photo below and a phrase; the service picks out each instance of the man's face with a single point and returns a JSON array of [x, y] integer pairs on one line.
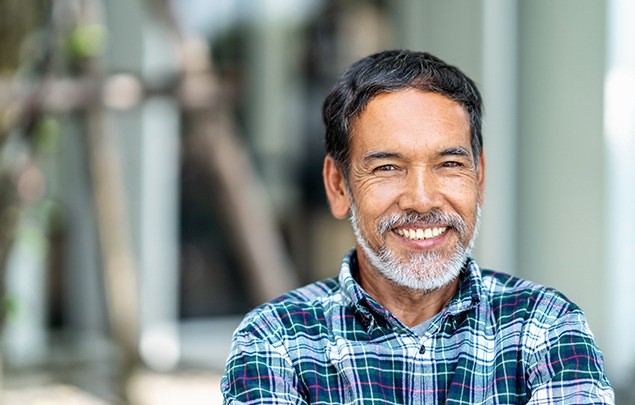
[[415, 189]]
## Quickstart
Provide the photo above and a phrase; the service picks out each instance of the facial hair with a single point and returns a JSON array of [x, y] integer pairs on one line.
[[419, 270]]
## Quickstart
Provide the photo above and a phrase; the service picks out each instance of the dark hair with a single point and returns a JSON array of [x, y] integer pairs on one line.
[[390, 71]]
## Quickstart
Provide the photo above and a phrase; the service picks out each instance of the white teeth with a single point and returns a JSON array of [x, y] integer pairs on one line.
[[419, 233]]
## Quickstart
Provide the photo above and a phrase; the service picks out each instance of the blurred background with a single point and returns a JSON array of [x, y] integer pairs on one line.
[[160, 172]]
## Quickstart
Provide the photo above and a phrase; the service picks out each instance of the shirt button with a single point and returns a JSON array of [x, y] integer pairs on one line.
[[422, 349]]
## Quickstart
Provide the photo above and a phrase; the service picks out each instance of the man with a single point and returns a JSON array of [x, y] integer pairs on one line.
[[411, 318]]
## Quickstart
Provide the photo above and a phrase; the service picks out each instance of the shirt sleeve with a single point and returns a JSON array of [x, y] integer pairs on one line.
[[259, 372], [566, 366]]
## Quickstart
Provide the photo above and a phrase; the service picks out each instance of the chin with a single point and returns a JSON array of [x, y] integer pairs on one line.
[[425, 271], [430, 273]]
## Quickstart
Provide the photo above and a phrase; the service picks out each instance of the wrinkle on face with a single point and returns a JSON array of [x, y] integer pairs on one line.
[[411, 151]]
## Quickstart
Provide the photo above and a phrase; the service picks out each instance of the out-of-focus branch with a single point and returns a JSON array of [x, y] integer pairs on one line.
[[21, 102], [199, 94], [256, 238], [119, 263]]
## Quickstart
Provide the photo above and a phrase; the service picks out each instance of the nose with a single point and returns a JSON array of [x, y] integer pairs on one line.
[[420, 191]]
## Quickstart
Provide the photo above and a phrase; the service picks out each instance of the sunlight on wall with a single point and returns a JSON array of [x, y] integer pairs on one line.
[[620, 147]]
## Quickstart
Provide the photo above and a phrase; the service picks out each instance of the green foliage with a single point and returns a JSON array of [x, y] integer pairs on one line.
[[87, 41], [48, 135], [33, 241], [9, 307]]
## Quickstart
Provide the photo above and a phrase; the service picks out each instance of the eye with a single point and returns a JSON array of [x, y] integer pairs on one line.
[[385, 168], [451, 164]]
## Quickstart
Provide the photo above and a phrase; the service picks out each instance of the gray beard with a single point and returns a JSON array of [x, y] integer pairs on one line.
[[425, 271]]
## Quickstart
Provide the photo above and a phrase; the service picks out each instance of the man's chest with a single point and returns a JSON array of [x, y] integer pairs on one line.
[[462, 368]]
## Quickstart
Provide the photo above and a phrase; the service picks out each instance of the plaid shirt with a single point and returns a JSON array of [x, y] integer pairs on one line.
[[501, 340]]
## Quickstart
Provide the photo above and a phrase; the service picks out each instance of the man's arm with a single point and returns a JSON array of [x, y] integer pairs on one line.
[[566, 366], [259, 372]]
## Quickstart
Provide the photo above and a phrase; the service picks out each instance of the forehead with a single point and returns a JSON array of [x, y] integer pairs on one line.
[[411, 118]]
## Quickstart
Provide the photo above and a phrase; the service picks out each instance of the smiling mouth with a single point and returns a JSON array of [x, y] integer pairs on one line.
[[420, 233]]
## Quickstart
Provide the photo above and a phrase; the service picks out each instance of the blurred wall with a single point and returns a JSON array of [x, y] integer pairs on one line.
[[561, 190]]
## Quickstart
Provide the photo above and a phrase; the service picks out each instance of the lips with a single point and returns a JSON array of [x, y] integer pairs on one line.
[[420, 233]]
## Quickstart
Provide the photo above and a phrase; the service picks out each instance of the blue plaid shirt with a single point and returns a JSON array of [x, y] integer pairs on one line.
[[501, 340]]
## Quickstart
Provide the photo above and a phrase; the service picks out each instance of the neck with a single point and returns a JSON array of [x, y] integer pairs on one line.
[[411, 307]]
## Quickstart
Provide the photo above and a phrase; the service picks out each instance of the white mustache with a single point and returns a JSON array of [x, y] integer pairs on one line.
[[432, 217]]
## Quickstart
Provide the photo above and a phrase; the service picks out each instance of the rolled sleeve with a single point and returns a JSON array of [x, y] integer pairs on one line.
[[567, 367]]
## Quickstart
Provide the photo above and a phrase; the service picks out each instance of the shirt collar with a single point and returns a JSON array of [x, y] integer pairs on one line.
[[466, 298], [470, 289], [353, 292]]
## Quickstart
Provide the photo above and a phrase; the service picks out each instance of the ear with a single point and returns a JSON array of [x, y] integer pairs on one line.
[[480, 176], [336, 190]]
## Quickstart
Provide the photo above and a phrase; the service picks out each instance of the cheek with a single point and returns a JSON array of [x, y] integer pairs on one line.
[[464, 196], [373, 205], [377, 194]]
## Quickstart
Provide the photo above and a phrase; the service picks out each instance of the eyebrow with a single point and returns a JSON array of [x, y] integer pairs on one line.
[[454, 151], [382, 155], [459, 151]]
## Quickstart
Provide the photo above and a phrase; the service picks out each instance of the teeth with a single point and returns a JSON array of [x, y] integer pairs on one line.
[[419, 233]]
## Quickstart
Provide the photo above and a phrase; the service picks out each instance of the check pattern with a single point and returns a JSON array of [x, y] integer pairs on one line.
[[501, 340]]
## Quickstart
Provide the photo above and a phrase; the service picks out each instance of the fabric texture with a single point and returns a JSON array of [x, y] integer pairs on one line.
[[501, 340]]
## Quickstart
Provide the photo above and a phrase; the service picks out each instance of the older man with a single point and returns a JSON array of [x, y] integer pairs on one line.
[[411, 318]]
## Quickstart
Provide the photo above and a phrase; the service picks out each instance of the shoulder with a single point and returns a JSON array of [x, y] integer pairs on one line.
[[302, 310], [540, 320], [271, 340], [561, 360], [512, 298]]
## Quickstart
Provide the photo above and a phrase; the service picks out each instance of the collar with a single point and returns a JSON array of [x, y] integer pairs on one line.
[[466, 298]]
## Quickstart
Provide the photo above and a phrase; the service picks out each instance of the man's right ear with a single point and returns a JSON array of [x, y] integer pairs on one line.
[[336, 189]]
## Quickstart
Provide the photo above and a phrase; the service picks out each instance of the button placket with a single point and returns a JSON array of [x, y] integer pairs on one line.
[[424, 343]]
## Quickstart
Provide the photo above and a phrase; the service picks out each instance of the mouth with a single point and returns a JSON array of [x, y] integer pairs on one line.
[[416, 233]]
